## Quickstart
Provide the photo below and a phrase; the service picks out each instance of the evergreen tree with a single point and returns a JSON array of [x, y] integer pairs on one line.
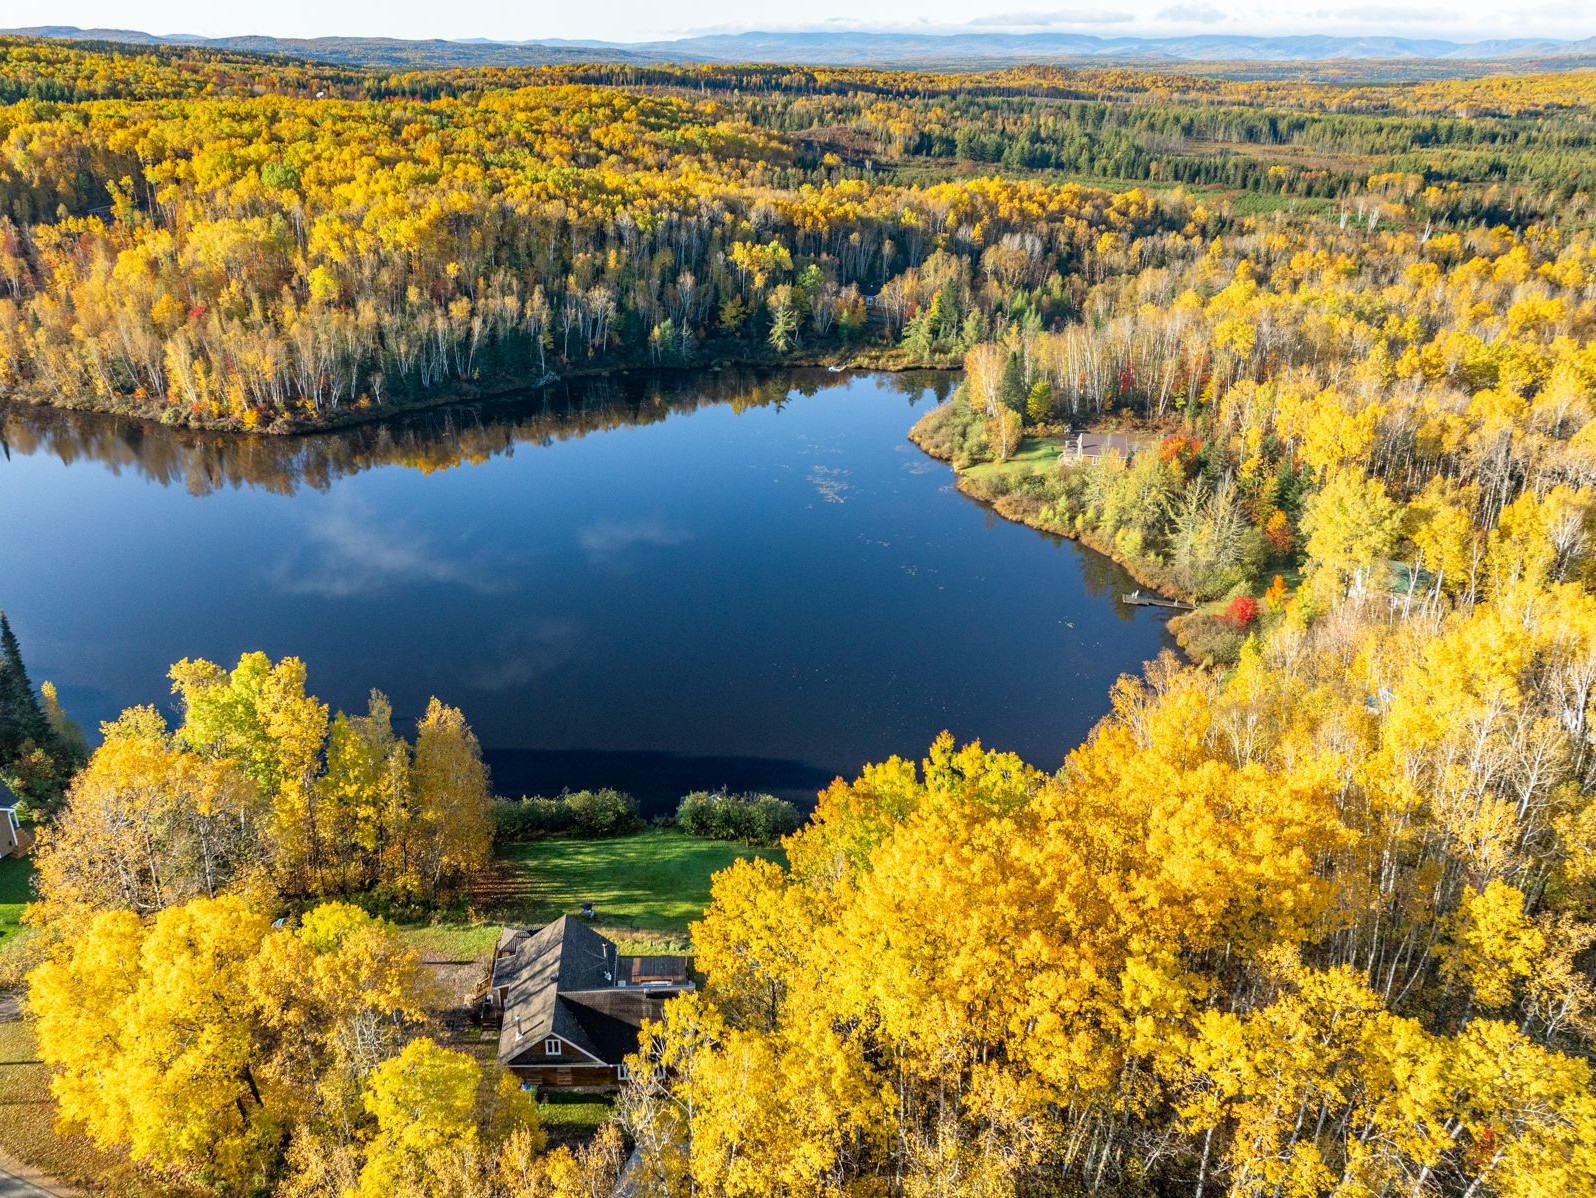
[[1012, 389], [944, 314], [918, 338], [21, 716], [40, 747]]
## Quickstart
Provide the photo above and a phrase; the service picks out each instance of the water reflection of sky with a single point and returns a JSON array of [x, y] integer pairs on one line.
[[655, 585]]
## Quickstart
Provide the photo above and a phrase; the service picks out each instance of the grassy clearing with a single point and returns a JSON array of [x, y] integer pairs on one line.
[[15, 876], [655, 881], [450, 940], [646, 889], [1034, 453], [1260, 203], [573, 1118]]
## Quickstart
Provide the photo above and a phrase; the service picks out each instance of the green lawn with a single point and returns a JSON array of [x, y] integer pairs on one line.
[[1033, 453], [655, 881], [15, 874], [645, 890], [571, 1119]]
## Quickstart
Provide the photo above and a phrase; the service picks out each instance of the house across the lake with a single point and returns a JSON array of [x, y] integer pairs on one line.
[[1090, 447], [569, 1005]]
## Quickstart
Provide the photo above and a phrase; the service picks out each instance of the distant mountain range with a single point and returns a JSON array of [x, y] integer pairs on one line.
[[857, 49]]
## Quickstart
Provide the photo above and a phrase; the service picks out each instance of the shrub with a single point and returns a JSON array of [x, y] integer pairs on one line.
[[1180, 452], [953, 432], [997, 485], [586, 814], [1208, 639], [1277, 531], [752, 818], [1243, 610]]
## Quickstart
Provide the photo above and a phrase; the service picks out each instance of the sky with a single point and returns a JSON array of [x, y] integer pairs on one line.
[[642, 20]]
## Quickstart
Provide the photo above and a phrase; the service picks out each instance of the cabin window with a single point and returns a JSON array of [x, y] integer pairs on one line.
[[552, 1047], [621, 1071]]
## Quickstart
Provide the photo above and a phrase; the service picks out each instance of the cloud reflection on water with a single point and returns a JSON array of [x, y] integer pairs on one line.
[[609, 542], [348, 550]]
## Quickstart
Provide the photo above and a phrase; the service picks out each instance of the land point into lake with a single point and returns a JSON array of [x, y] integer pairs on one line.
[[1003, 485]]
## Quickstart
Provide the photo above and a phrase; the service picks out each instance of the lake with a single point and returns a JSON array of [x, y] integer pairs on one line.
[[654, 583]]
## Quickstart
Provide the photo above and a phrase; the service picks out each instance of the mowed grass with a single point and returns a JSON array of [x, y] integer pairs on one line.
[[16, 874], [571, 1119], [655, 881], [1034, 453], [645, 890]]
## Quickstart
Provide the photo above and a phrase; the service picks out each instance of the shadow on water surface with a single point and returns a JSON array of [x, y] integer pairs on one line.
[[763, 596], [428, 440]]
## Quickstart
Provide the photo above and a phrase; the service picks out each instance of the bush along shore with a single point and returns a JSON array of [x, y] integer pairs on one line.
[[1135, 492], [753, 819]]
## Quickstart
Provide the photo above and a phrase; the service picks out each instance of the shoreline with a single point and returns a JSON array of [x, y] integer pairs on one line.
[[883, 360], [1007, 507], [1016, 512]]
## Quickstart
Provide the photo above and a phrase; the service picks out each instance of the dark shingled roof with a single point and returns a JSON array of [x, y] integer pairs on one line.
[[611, 1018], [566, 955], [563, 980], [638, 970]]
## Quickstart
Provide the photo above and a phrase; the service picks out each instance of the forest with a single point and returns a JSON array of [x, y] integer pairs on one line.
[[1311, 912], [252, 243]]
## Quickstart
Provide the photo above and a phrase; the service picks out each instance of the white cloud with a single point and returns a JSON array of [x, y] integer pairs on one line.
[[1390, 14], [1192, 14], [636, 20], [522, 655], [1054, 19]]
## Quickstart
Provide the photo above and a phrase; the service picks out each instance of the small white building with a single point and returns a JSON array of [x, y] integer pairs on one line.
[[14, 840], [11, 836]]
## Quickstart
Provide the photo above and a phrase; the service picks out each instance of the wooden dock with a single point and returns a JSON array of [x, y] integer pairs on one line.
[[1137, 599]]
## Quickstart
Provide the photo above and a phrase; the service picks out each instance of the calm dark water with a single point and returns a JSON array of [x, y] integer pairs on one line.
[[654, 584]]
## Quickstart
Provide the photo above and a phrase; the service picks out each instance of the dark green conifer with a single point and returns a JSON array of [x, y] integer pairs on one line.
[[22, 717], [1012, 390]]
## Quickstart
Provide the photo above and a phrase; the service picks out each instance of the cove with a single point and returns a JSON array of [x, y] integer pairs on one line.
[[658, 583]]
